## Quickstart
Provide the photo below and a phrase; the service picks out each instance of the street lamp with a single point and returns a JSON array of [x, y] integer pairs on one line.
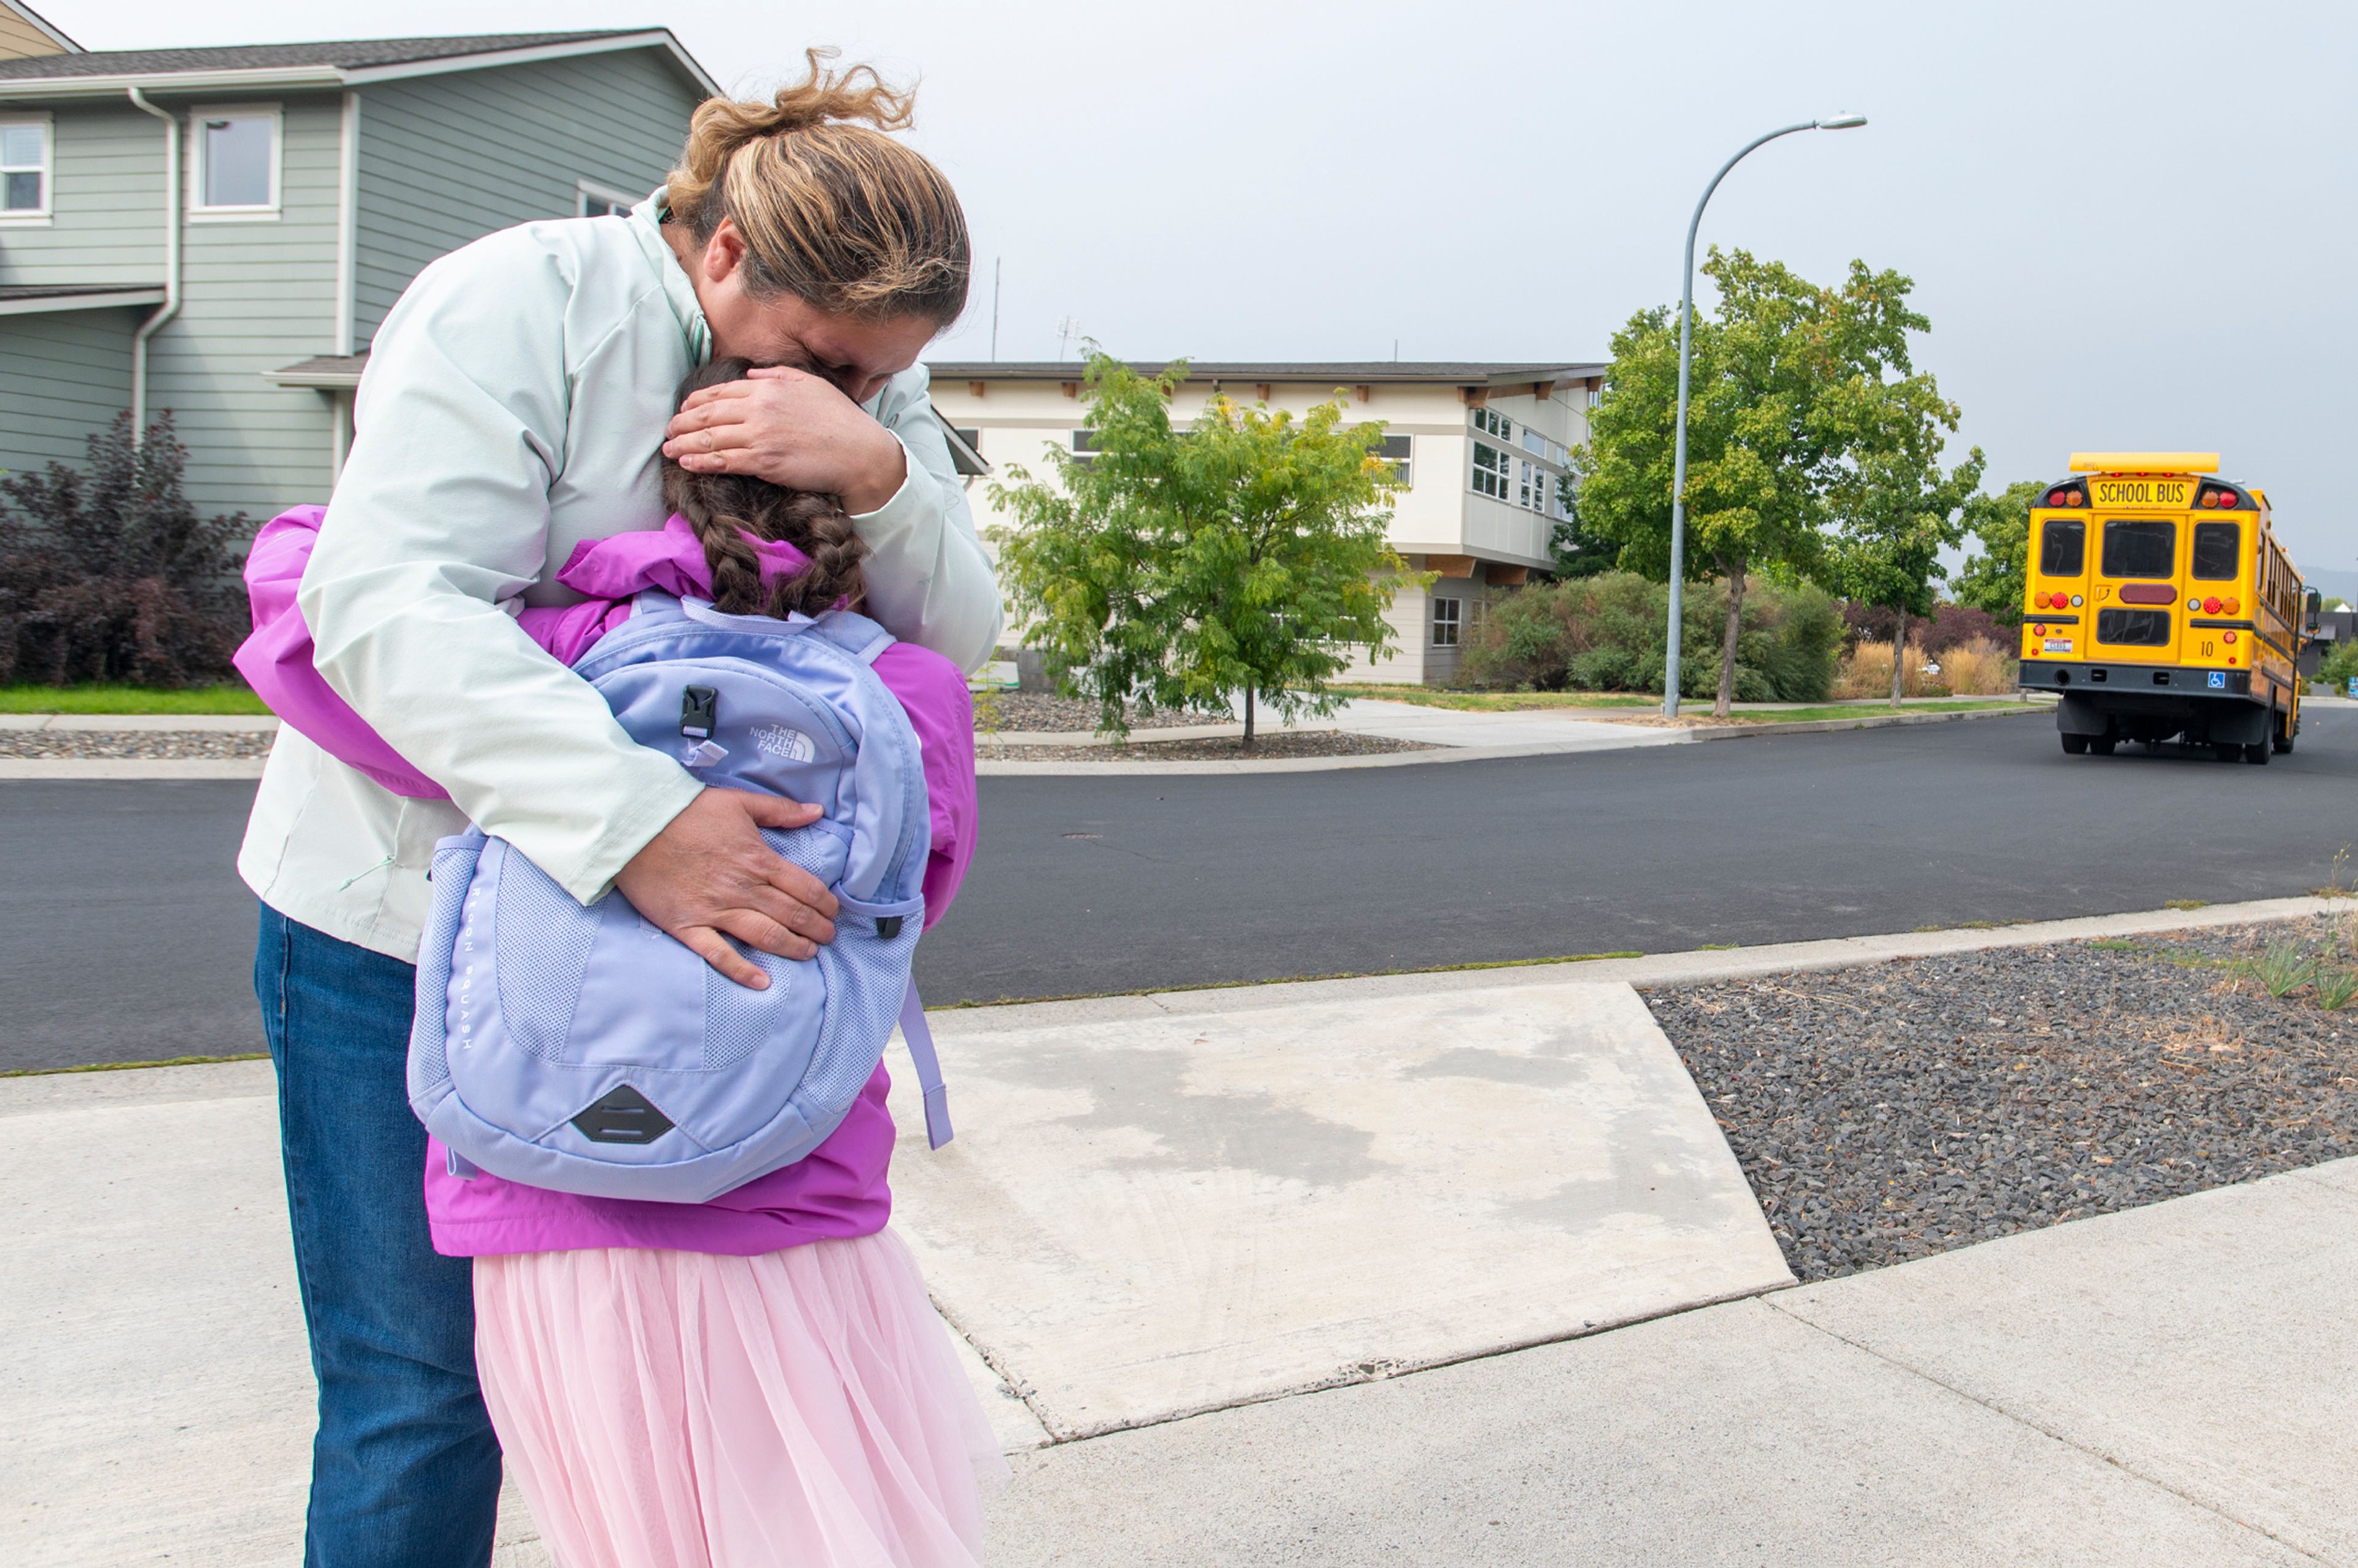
[[1843, 121]]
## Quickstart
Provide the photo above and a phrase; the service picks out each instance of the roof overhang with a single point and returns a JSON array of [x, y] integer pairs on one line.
[[326, 373], [1502, 377], [79, 299], [296, 77]]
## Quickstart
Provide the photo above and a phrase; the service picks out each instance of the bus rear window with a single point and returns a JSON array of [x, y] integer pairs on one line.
[[2132, 628], [2140, 547], [2218, 550], [2063, 547]]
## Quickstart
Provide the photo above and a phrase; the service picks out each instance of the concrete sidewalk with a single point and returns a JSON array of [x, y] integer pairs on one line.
[[2175, 1384]]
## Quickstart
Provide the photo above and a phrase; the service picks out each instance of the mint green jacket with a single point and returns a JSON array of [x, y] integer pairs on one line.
[[512, 406]]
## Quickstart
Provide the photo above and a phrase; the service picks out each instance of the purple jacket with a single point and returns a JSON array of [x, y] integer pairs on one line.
[[840, 1188]]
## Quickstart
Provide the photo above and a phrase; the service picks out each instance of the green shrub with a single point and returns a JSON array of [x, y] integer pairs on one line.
[[108, 575], [1605, 633], [2338, 665]]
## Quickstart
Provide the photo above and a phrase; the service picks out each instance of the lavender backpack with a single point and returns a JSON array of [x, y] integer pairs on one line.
[[586, 1051]]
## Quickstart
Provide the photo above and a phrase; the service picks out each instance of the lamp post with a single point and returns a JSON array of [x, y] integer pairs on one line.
[[1843, 121]]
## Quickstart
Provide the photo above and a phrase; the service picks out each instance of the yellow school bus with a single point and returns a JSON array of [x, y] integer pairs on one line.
[[2158, 605]]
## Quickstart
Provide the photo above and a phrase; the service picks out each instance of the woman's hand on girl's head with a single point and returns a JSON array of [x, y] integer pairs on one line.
[[792, 428]]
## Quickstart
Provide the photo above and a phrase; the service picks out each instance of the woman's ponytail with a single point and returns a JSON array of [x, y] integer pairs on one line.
[[833, 210]]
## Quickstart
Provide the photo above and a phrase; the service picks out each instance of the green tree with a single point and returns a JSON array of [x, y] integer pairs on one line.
[[1764, 444], [1997, 578], [1578, 552], [1894, 508], [1244, 557]]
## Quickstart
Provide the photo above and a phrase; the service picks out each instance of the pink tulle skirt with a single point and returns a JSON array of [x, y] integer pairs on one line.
[[675, 1410]]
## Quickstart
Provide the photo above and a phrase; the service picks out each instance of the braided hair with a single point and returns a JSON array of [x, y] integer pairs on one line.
[[723, 508]]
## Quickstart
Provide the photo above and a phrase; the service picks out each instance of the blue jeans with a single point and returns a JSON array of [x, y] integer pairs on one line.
[[404, 1469]]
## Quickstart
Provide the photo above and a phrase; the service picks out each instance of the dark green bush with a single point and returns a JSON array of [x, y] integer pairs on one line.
[[1605, 633], [108, 574]]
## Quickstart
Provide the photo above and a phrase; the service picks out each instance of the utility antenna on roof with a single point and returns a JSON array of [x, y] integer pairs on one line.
[[1068, 331]]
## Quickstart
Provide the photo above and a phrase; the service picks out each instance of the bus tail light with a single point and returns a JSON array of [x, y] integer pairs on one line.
[[2211, 606], [2209, 498], [2228, 637], [2234, 606], [2227, 498]]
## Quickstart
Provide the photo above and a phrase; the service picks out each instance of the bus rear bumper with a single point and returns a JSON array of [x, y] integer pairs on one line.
[[2152, 702]]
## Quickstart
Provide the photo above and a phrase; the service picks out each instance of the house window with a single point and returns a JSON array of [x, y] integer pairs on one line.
[[237, 154], [25, 167], [1085, 447], [1490, 472], [1490, 422], [1399, 452], [1445, 613], [594, 200]]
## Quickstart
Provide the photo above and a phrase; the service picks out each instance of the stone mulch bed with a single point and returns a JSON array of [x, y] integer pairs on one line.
[[154, 745], [1277, 744], [1895, 1111], [1039, 711]]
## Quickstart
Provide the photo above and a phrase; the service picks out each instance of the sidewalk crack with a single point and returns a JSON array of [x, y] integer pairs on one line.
[[2046, 1432]]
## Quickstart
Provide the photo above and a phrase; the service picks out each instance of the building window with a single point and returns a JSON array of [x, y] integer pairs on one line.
[[237, 154], [1490, 422], [594, 200], [1085, 447], [25, 167], [970, 434], [1490, 475], [1540, 447], [1445, 622], [1398, 453]]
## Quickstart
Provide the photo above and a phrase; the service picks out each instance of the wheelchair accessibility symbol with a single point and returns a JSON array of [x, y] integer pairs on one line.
[[2218, 678]]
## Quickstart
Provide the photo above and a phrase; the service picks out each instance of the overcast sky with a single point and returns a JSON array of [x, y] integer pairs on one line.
[[2130, 224]]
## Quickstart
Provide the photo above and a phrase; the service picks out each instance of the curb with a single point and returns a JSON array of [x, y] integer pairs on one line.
[[1657, 735], [66, 769], [1697, 967], [63, 769], [143, 723]]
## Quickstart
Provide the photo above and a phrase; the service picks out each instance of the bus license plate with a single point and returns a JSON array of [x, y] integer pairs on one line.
[[2059, 644], [2143, 492]]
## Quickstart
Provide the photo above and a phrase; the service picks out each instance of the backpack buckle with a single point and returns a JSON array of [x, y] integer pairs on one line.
[[699, 712]]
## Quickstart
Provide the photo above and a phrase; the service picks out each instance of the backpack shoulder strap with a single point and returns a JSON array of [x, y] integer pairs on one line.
[[854, 634], [920, 1039]]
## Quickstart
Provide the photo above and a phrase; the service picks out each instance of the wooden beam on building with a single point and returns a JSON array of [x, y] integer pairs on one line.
[[1364, 394], [1543, 390], [1452, 565], [1072, 389], [1261, 390], [1595, 382], [1474, 397], [975, 387], [1500, 576]]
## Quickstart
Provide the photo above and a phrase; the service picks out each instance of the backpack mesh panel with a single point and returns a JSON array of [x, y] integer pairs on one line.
[[866, 978], [541, 941], [737, 1021]]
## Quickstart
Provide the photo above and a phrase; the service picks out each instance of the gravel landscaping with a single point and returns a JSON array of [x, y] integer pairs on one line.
[[1898, 1110], [153, 745], [1033, 711], [1217, 749]]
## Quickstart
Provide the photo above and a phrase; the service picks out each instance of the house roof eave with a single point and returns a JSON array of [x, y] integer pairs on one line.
[[79, 297], [241, 78]]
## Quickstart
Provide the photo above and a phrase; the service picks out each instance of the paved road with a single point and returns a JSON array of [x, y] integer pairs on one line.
[[125, 937]]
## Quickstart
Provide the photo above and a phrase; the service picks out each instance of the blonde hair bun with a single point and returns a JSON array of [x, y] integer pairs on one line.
[[832, 208]]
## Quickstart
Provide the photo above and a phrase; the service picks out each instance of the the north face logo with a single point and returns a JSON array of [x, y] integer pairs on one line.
[[788, 745]]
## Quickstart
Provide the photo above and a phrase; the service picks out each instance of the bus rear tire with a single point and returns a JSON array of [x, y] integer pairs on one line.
[[2257, 753], [2074, 745]]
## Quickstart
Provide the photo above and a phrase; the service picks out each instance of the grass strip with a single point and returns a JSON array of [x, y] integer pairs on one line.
[[127, 1067], [1869, 710], [1493, 701], [112, 698], [1285, 981]]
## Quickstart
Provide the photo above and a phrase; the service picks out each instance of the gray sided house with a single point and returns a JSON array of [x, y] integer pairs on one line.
[[218, 231]]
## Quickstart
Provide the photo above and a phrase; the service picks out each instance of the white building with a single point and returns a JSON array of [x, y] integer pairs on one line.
[[1481, 446]]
